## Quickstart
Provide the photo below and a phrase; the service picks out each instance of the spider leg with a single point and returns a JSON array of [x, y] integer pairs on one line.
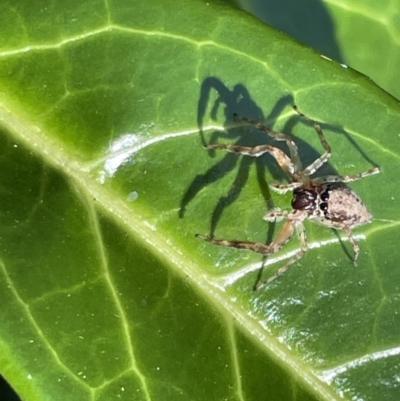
[[346, 178], [315, 165], [303, 243], [283, 236], [356, 247], [283, 188], [342, 226], [275, 215], [256, 151], [277, 136]]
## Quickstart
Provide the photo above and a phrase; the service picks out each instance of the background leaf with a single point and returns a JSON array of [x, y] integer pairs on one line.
[[105, 291], [362, 33]]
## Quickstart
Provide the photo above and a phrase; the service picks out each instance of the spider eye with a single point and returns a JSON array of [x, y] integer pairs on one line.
[[323, 206], [325, 195]]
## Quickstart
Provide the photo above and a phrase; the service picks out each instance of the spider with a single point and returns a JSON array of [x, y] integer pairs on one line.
[[325, 200]]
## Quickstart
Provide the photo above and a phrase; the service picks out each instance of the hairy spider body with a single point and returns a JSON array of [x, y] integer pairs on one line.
[[325, 200]]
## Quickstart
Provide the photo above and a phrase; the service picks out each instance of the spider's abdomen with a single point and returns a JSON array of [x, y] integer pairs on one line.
[[344, 205], [332, 203]]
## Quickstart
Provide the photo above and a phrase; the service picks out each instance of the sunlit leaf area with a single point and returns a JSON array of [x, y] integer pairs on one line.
[[106, 294]]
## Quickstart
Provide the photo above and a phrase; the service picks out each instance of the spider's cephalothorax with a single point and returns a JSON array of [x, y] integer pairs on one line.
[[326, 200], [305, 199]]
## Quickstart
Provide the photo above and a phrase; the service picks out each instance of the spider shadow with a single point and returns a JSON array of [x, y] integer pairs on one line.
[[238, 100]]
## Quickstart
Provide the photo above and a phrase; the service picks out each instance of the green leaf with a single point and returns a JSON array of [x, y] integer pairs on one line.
[[105, 291]]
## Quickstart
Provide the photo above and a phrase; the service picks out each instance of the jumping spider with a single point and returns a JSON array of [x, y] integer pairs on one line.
[[326, 200]]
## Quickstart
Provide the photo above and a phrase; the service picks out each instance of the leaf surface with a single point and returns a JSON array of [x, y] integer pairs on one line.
[[106, 292]]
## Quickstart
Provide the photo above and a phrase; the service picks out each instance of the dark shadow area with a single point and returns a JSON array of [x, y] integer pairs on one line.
[[237, 100], [6, 391], [307, 21], [347, 251]]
